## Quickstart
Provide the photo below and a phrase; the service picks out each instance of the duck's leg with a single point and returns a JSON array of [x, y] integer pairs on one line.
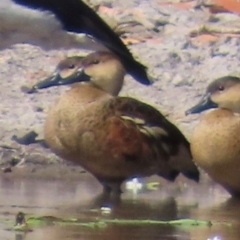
[[111, 186]]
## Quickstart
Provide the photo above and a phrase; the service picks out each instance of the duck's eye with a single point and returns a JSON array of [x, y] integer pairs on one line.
[[220, 88], [96, 62], [71, 66]]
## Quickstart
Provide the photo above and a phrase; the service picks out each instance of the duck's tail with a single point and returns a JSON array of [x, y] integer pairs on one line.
[[169, 175], [192, 174], [76, 16], [180, 161], [183, 162]]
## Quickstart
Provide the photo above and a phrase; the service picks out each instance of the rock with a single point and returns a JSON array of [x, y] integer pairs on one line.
[[178, 80], [26, 138]]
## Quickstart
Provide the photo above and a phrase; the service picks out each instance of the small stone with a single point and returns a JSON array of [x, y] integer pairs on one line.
[[7, 169], [178, 80], [221, 50], [106, 210], [38, 109], [15, 161], [26, 89], [26, 138]]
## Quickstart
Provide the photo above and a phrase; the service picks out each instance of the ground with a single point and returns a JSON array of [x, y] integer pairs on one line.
[[185, 45]]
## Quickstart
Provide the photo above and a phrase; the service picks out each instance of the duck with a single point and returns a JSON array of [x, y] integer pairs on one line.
[[215, 143], [112, 137], [77, 17]]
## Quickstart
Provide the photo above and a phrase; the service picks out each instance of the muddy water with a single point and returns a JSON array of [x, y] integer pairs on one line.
[[82, 199]]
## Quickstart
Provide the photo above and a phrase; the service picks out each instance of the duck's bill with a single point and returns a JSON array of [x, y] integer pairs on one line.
[[54, 80], [204, 104], [57, 80]]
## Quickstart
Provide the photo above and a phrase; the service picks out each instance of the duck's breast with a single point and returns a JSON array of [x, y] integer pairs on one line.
[[215, 146]]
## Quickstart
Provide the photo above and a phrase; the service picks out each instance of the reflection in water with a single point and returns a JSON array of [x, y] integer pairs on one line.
[[110, 233], [140, 209], [20, 236], [80, 199]]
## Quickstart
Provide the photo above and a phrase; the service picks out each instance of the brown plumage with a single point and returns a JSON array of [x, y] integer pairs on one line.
[[215, 143], [114, 138]]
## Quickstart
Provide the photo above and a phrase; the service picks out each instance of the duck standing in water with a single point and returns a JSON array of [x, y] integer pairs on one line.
[[114, 138], [215, 143], [75, 16]]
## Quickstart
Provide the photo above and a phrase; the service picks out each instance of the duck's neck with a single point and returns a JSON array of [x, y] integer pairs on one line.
[[87, 93], [108, 85]]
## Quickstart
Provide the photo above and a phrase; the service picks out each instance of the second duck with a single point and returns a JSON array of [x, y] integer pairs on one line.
[[215, 143]]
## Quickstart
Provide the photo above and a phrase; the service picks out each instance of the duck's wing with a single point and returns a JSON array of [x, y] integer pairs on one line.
[[148, 128], [76, 16]]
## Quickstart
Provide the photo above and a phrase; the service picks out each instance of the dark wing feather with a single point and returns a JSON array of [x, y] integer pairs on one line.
[[164, 138], [151, 118]]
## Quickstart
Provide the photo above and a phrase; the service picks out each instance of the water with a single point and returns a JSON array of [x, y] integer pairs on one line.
[[81, 199]]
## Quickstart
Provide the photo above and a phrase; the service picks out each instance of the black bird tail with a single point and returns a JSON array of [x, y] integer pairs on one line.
[[76, 16]]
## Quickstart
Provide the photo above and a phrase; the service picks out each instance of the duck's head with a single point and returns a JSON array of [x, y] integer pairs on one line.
[[100, 69], [221, 93]]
